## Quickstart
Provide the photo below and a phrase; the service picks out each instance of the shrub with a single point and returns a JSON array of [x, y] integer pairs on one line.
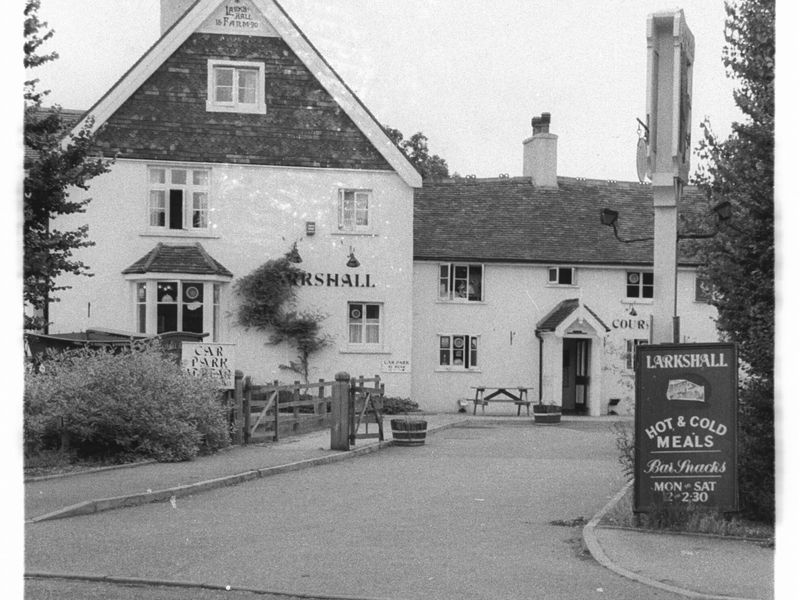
[[757, 451], [625, 442], [135, 402], [398, 406]]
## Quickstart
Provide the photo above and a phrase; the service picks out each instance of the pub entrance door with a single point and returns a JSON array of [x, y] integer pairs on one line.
[[575, 375]]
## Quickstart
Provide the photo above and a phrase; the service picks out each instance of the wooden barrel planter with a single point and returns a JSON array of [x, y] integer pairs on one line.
[[409, 432], [546, 413]]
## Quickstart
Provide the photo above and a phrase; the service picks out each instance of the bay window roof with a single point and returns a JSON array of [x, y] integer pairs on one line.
[[190, 259]]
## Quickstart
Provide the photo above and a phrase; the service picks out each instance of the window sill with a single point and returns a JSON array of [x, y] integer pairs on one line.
[[179, 233], [355, 233], [562, 285], [642, 301], [358, 350], [460, 301], [455, 370], [258, 109]]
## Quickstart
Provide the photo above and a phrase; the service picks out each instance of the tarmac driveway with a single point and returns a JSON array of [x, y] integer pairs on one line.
[[467, 515]]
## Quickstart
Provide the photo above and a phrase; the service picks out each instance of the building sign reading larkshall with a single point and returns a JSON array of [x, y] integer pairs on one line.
[[686, 399], [214, 360]]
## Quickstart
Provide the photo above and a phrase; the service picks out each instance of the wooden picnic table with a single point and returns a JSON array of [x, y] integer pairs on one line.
[[516, 394]]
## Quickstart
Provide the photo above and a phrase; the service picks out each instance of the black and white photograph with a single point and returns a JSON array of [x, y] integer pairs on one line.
[[399, 300]]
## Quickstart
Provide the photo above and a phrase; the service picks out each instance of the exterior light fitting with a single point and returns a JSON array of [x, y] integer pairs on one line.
[[352, 261], [632, 312], [293, 256], [723, 210], [609, 217]]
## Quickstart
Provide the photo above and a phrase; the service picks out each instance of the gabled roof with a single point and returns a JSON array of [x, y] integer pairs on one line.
[[192, 260], [561, 312], [196, 15], [511, 220]]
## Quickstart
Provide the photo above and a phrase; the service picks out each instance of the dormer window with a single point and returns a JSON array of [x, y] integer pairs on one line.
[[236, 86]]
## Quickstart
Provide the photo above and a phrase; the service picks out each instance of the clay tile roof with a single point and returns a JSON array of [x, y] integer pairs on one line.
[[511, 220], [192, 260]]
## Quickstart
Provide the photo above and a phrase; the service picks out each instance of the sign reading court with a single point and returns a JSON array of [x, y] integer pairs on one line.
[[686, 399]]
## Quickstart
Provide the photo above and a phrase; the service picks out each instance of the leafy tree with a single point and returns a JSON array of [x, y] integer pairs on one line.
[[739, 264], [416, 150], [53, 169]]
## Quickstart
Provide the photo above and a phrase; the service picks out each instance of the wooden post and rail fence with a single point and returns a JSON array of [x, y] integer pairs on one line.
[[267, 412]]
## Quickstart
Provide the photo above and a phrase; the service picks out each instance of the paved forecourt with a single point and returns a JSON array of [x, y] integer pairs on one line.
[[467, 515]]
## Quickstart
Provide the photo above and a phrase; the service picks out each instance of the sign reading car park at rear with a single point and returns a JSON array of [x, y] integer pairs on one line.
[[686, 421], [211, 360]]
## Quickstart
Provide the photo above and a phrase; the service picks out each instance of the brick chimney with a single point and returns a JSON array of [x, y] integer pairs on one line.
[[171, 11], [539, 153]]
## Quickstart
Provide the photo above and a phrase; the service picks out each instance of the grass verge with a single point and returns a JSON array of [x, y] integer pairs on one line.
[[688, 519]]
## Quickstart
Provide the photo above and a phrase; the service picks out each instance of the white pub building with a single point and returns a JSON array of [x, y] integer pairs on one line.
[[235, 140]]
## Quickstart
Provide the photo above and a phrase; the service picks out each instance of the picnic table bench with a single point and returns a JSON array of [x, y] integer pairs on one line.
[[485, 394]]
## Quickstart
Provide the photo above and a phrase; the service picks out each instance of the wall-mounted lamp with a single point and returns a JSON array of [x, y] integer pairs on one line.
[[293, 256], [632, 311], [609, 217], [723, 211], [352, 261]]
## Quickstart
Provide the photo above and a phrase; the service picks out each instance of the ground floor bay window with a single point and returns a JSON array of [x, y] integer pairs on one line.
[[177, 288], [178, 305]]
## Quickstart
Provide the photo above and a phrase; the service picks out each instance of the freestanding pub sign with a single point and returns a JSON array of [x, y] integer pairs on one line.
[[686, 399]]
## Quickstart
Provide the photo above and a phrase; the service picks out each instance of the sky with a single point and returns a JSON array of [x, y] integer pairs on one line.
[[469, 74]]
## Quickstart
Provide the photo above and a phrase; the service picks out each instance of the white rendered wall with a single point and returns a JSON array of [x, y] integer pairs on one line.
[[516, 297], [256, 214]]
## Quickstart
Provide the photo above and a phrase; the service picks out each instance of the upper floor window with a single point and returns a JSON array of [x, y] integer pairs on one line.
[[461, 282], [561, 276], [639, 284], [354, 210], [178, 198], [458, 351], [236, 86], [364, 322]]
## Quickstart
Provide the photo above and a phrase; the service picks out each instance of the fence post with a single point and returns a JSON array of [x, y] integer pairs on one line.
[[295, 400], [340, 415], [319, 405], [238, 422], [247, 396], [276, 435], [351, 408]]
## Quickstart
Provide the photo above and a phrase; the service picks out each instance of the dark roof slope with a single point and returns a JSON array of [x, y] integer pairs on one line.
[[561, 311], [510, 220], [193, 260], [69, 118]]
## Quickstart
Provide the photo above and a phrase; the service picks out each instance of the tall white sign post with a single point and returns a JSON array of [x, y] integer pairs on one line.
[[670, 56]]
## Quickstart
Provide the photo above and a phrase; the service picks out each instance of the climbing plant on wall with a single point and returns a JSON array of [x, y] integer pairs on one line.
[[268, 302]]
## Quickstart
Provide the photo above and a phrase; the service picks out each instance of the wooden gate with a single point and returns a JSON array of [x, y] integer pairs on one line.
[[365, 404], [274, 410]]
